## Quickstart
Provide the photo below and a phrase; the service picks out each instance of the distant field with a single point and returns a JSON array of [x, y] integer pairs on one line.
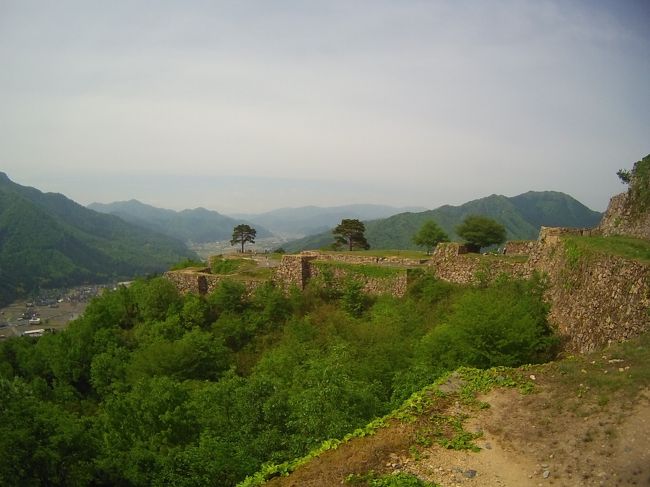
[[57, 318]]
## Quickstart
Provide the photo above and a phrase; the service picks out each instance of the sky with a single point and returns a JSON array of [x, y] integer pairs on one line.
[[246, 106]]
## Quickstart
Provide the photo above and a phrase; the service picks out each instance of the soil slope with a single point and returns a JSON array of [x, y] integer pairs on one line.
[[586, 423]]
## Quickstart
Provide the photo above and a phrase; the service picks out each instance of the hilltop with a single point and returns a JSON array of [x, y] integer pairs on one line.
[[48, 240], [197, 225], [307, 220], [522, 216]]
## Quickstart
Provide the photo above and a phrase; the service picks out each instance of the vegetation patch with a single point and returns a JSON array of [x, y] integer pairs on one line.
[[364, 270], [372, 479], [626, 247], [188, 263]]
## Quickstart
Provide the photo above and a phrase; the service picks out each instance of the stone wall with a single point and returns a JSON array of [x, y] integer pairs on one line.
[[394, 285], [294, 270], [297, 270], [451, 262], [619, 220], [365, 259], [597, 300], [200, 281], [520, 247]]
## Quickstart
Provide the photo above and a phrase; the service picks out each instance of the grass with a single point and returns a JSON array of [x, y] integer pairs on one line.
[[620, 370], [371, 271], [626, 247], [406, 254]]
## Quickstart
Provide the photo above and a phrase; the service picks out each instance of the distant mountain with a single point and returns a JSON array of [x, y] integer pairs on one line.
[[521, 215], [308, 220], [198, 225], [48, 240]]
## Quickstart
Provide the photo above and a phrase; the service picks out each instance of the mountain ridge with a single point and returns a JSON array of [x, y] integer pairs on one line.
[[521, 215], [48, 240], [198, 225], [305, 220]]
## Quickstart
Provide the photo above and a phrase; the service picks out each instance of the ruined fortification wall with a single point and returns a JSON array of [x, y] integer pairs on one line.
[[619, 219], [298, 270], [451, 262], [595, 299], [520, 247], [202, 282]]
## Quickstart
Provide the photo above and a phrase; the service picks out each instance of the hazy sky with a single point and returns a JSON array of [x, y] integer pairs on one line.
[[252, 105]]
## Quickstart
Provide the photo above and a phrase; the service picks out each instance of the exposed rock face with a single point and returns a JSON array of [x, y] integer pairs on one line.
[[619, 219]]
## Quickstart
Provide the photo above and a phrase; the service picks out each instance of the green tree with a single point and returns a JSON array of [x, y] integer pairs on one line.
[[430, 235], [243, 233], [350, 232], [481, 231]]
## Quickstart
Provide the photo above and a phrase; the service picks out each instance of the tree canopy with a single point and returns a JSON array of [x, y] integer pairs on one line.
[[481, 231], [351, 233], [430, 235], [150, 387], [241, 234]]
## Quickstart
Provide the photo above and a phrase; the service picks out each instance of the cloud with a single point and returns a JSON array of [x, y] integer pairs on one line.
[[452, 99]]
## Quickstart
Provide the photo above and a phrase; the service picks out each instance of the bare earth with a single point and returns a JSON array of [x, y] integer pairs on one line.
[[575, 429], [525, 436]]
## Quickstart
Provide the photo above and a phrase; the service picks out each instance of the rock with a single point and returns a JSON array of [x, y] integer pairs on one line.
[[546, 474], [470, 474]]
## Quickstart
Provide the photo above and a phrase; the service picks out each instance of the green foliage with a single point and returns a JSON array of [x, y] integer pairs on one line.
[[522, 216], [51, 241], [430, 235], [349, 233], [243, 234], [219, 265], [353, 299], [371, 479], [184, 264], [153, 388], [480, 231], [626, 247]]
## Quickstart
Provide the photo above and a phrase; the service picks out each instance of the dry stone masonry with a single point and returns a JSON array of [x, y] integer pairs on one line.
[[620, 220], [594, 300]]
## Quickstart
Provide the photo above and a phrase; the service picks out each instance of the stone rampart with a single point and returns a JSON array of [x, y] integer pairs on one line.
[[596, 299], [201, 281], [298, 270], [520, 247], [395, 285], [619, 219], [451, 262]]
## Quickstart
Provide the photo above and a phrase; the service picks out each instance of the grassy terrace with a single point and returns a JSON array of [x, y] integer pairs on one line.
[[407, 254], [627, 247], [373, 271]]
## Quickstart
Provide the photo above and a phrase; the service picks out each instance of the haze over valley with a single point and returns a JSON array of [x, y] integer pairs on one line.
[[324, 243]]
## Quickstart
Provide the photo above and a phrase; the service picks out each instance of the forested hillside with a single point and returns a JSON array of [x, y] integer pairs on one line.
[[48, 240], [198, 225], [521, 215], [152, 388]]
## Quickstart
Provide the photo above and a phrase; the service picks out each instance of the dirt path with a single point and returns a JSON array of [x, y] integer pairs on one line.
[[528, 441]]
